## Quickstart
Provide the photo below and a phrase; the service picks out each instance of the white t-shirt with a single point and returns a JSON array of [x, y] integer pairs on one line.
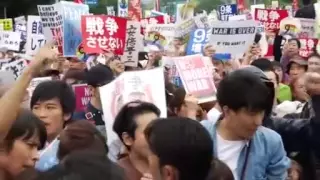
[[229, 152]]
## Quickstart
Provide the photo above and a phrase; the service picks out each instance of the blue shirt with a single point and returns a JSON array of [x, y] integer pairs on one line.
[[267, 158]]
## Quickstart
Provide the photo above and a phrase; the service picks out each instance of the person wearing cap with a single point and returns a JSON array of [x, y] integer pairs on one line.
[[296, 67]]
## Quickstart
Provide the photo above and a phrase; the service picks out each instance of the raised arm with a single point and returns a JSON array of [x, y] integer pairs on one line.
[[11, 100]]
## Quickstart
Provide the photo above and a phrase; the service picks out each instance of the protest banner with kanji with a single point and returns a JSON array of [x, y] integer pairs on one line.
[[101, 33], [6, 24], [151, 20], [308, 46], [134, 44], [35, 35], [198, 39], [234, 37], [227, 10], [271, 18], [10, 40], [83, 96], [196, 77], [16, 67], [72, 38], [52, 23]]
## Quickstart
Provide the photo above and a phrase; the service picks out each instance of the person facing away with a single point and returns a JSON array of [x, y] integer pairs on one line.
[[250, 150], [179, 149]]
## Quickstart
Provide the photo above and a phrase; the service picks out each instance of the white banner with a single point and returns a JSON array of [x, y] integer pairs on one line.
[[35, 35], [10, 40]]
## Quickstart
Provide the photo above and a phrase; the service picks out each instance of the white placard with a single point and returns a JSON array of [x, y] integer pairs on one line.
[[10, 40], [35, 35]]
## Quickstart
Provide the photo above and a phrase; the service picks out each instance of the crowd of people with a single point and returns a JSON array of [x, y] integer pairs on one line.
[[264, 123]]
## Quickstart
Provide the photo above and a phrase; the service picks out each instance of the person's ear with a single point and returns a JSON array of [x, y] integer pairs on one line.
[[127, 139], [169, 173], [67, 117]]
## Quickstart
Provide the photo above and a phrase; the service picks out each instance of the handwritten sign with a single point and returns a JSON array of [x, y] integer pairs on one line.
[[16, 67], [10, 40], [100, 32], [35, 38]]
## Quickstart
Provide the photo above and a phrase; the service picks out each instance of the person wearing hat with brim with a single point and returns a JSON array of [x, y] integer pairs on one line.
[[296, 67]]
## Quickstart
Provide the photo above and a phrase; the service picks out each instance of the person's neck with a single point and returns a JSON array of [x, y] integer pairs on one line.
[[226, 132], [4, 175], [141, 164], [96, 104]]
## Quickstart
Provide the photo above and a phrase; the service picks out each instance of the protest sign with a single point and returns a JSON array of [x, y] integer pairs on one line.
[[197, 79], [100, 32], [254, 7], [145, 86], [16, 67], [226, 11], [233, 37], [241, 17], [35, 35], [159, 35], [48, 156], [171, 70], [123, 8], [307, 28], [133, 44], [290, 26], [202, 21], [6, 78], [7, 24], [151, 20], [111, 11], [3, 62], [83, 96], [22, 30], [134, 10], [270, 18], [10, 40], [51, 18], [308, 46], [34, 83], [72, 26], [185, 27], [198, 39]]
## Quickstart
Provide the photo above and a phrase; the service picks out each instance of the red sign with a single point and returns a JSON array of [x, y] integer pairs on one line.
[[83, 96], [151, 20], [307, 46], [103, 33], [271, 18], [134, 10], [196, 76]]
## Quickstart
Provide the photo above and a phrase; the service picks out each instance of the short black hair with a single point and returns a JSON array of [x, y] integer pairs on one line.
[[125, 119], [183, 143], [263, 64], [25, 126], [297, 40], [99, 75], [243, 89], [82, 166], [48, 90], [219, 170]]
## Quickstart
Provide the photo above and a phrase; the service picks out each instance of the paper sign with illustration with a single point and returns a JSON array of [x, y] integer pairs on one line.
[[147, 85], [16, 67], [34, 83], [151, 20], [171, 70], [307, 28], [159, 35], [35, 35], [290, 26], [134, 43], [71, 16], [233, 37], [103, 33], [197, 77], [83, 96]]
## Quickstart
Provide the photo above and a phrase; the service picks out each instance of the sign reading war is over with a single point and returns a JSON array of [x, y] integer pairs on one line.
[[233, 37]]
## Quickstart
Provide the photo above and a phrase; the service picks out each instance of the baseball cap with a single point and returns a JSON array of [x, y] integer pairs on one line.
[[99, 75], [298, 60]]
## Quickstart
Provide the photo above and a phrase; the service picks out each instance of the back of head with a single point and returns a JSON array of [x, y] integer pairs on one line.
[[263, 64], [81, 135], [219, 171], [183, 144], [83, 166], [244, 89]]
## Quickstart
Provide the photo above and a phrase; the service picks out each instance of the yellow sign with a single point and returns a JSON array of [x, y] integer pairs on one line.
[[7, 24]]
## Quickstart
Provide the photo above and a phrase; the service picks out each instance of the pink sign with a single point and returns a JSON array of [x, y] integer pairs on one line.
[[196, 76], [83, 96]]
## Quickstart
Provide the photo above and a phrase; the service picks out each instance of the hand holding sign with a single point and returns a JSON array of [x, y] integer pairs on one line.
[[44, 56]]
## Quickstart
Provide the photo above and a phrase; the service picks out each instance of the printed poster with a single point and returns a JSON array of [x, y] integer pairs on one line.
[[234, 37], [197, 78], [72, 26], [226, 11], [147, 85], [159, 35], [103, 33], [307, 28], [133, 44], [83, 96], [35, 35], [151, 20], [308, 46], [198, 39], [271, 18], [6, 24]]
